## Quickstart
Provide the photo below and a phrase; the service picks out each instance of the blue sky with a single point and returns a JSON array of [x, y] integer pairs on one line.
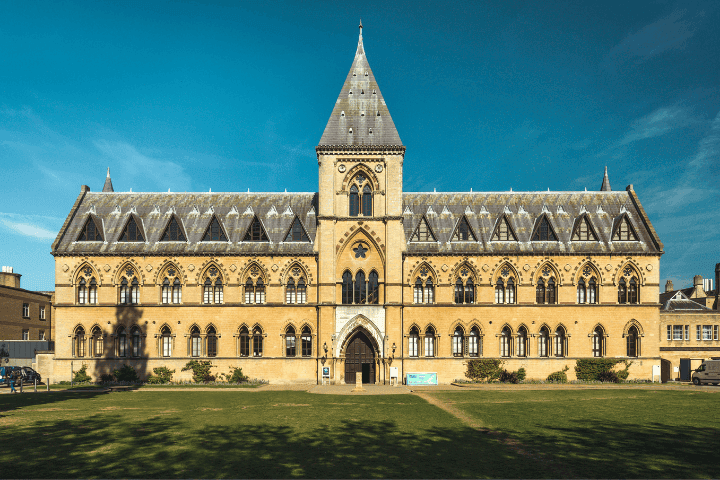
[[492, 95]]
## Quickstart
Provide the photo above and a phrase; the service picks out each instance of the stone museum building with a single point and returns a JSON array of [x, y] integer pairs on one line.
[[359, 276]]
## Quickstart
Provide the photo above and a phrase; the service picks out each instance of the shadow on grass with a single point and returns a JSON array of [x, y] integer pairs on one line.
[[10, 402], [112, 446]]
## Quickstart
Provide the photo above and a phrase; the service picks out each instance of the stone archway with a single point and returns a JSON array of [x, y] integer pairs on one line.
[[360, 358]]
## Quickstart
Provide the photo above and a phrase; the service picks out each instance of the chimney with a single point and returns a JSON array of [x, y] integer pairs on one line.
[[669, 286], [697, 281], [8, 278]]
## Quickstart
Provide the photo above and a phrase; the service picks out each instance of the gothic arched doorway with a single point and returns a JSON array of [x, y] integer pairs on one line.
[[360, 359]]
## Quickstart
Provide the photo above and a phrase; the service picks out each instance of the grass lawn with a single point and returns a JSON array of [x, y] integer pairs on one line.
[[598, 433]]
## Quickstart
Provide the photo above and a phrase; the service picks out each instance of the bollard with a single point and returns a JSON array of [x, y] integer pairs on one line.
[[47, 384], [21, 384], [35, 385]]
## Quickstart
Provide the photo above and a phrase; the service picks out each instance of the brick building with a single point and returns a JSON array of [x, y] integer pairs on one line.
[[359, 276], [24, 314]]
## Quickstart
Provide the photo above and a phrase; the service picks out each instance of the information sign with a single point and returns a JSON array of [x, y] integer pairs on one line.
[[422, 378]]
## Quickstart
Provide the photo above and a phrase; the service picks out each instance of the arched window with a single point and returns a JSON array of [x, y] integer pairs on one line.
[[429, 342], [97, 342], [510, 291], [474, 342], [633, 291], [121, 342], [459, 291], [290, 344], [290, 292], [166, 291], [166, 342], [429, 291], [82, 292], [469, 291], [244, 342], [551, 291], [367, 201], [136, 341], [581, 291], [177, 291], [207, 291], [373, 288], [505, 342], [457, 342], [79, 344], [260, 291], [413, 341], [124, 292], [218, 291], [633, 342], [560, 346], [134, 292], [211, 340], [257, 342], [306, 342], [592, 295], [347, 288], [249, 291], [499, 291], [540, 291], [543, 342], [301, 291], [418, 291], [92, 292], [195, 342], [354, 201], [360, 293], [522, 340], [622, 291], [598, 342]]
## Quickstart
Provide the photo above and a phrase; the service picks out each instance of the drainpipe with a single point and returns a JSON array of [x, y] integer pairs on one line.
[[717, 286]]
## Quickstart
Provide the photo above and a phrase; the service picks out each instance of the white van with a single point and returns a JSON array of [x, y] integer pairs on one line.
[[707, 372]]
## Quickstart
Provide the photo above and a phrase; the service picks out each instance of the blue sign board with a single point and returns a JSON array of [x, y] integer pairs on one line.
[[422, 378]]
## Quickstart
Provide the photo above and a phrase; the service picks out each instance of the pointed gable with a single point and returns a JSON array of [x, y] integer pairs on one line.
[[297, 232], [624, 230], [132, 231], [360, 116], [256, 232], [584, 231], [423, 232], [463, 232], [173, 232], [504, 231], [90, 231], [544, 231], [214, 231]]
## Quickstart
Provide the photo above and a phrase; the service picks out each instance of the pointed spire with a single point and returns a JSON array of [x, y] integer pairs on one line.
[[108, 183], [360, 115], [606, 183]]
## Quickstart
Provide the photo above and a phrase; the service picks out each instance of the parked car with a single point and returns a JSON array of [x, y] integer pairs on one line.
[[707, 372]]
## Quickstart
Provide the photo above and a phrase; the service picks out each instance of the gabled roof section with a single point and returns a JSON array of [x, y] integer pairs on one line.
[[423, 232], [584, 230], [256, 232], [503, 230], [544, 231], [296, 232], [173, 231], [463, 231], [90, 231], [360, 116], [624, 230], [215, 231], [132, 232]]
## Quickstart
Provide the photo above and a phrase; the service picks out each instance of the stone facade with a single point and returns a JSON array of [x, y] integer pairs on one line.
[[360, 245], [24, 313]]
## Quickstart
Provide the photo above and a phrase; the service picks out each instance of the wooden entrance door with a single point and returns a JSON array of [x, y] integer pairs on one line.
[[360, 359]]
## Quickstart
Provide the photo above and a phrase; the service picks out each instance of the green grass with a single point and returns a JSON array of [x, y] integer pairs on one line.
[[606, 433], [93, 386], [184, 434]]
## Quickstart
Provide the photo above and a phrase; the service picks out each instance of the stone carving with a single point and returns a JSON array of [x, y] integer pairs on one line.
[[65, 268], [444, 267], [233, 267], [341, 168], [608, 267], [526, 267], [567, 267], [486, 267], [275, 267], [106, 267], [649, 267], [148, 267], [378, 168], [191, 267]]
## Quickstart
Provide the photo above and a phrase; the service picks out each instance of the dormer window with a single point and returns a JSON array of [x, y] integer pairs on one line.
[[366, 73]]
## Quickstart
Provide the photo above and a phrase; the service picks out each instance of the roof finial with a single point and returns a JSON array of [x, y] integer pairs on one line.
[[361, 28], [108, 183], [605, 187]]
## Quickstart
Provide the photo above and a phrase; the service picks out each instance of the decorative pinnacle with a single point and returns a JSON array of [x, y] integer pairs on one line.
[[361, 28], [108, 174]]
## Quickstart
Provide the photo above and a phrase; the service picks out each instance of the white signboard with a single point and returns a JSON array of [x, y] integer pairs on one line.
[[393, 372]]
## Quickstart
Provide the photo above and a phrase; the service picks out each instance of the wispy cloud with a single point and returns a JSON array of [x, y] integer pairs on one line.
[[657, 123], [163, 173], [670, 32], [33, 226]]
